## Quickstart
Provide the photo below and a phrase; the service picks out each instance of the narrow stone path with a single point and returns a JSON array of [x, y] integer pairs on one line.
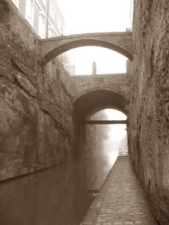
[[121, 200]]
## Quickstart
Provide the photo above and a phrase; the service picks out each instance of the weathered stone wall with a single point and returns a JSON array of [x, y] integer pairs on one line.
[[36, 127], [149, 123]]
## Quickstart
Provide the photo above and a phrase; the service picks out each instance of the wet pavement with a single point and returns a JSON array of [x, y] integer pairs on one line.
[[121, 200]]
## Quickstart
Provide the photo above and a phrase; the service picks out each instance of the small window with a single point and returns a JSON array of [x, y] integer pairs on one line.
[[52, 11], [30, 11], [41, 30], [16, 2]]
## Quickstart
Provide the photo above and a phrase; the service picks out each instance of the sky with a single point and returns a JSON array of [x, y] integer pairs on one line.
[[86, 16], [82, 16]]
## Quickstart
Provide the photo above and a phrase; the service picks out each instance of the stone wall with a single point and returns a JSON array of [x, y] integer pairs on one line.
[[36, 127], [149, 114]]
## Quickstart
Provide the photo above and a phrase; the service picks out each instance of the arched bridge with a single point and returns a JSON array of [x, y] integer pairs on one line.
[[117, 41], [96, 92]]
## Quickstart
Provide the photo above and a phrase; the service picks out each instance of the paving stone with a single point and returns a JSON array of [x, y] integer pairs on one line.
[[121, 200]]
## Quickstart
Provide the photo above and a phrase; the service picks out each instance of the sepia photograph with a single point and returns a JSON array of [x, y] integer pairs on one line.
[[84, 112]]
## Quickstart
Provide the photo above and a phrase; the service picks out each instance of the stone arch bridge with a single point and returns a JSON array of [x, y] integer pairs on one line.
[[96, 92], [118, 41]]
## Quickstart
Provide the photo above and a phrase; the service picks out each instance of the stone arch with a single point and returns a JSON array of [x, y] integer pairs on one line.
[[121, 91], [81, 43], [94, 101]]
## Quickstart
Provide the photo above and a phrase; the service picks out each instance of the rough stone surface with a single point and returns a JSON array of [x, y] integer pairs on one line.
[[149, 130], [36, 126]]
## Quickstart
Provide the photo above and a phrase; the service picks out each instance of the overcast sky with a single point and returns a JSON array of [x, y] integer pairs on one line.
[[95, 15]]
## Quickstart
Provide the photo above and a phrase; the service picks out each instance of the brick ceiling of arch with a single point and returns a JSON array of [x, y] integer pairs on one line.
[[88, 104]]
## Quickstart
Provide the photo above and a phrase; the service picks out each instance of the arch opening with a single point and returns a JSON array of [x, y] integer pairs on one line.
[[100, 142], [115, 132], [112, 139], [93, 61], [81, 43], [92, 102]]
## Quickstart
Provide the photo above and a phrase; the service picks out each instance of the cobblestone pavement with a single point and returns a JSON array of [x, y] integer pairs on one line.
[[121, 200]]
